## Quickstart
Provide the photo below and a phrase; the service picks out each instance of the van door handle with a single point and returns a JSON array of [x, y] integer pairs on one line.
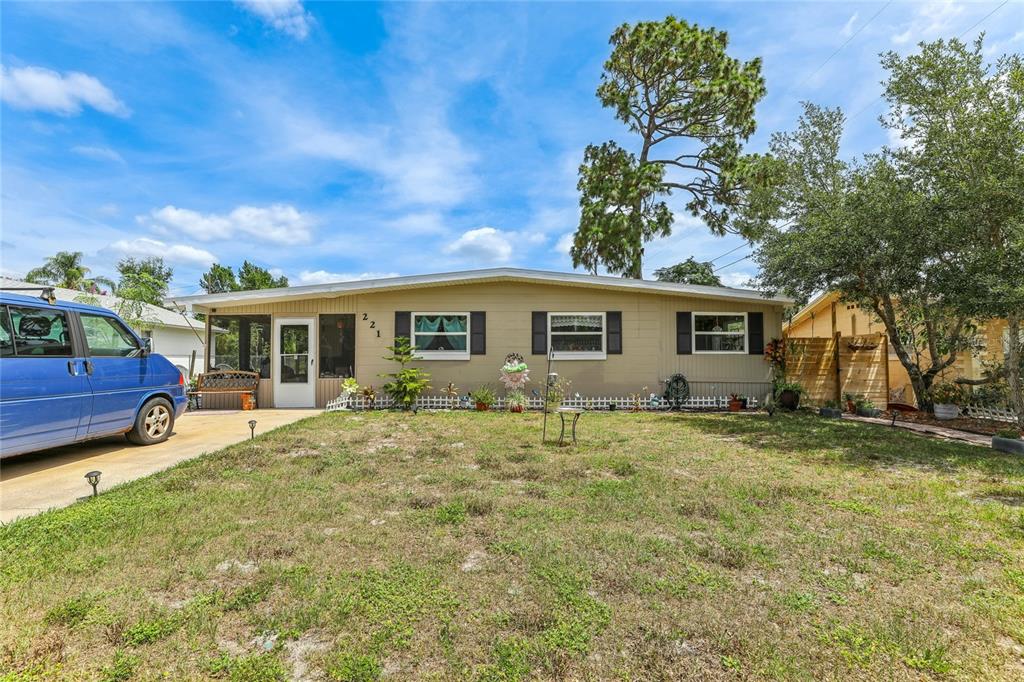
[[88, 367], [71, 368]]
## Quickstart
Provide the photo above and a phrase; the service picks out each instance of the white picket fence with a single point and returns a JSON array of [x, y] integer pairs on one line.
[[439, 402], [995, 413]]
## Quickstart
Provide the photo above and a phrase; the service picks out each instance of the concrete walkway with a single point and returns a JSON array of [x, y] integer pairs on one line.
[[928, 430], [33, 483]]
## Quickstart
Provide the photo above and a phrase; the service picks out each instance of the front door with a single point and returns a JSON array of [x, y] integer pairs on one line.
[[294, 365]]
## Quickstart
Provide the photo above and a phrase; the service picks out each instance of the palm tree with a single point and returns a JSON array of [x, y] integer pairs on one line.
[[66, 270]]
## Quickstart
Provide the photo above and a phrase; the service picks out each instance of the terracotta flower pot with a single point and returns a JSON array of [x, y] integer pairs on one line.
[[735, 405], [482, 407], [516, 408]]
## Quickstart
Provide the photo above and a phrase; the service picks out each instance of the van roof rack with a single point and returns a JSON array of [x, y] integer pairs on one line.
[[46, 292]]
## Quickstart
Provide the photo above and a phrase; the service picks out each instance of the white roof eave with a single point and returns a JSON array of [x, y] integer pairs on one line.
[[208, 301]]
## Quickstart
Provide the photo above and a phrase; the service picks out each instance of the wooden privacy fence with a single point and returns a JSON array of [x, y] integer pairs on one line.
[[829, 368]]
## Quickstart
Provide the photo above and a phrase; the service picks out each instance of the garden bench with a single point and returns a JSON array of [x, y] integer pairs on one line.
[[226, 381]]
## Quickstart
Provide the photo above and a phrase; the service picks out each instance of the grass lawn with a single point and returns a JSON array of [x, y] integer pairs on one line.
[[455, 546]]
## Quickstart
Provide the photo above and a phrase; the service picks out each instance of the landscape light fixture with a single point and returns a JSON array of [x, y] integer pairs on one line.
[[252, 429], [93, 477]]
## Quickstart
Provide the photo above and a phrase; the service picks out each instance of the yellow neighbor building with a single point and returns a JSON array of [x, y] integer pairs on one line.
[[827, 314]]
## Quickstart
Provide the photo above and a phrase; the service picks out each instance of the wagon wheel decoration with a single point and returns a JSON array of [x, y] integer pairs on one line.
[[677, 391]]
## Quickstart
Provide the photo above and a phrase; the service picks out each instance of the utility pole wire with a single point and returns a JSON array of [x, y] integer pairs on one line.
[[840, 48], [962, 34]]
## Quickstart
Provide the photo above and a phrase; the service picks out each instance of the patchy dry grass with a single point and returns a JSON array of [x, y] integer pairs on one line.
[[455, 546]]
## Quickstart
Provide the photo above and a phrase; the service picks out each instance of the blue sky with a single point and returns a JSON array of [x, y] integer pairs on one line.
[[337, 140]]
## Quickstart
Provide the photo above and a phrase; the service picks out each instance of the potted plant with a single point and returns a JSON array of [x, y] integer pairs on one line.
[[866, 408], [483, 397], [349, 388], [516, 401], [1008, 440], [370, 396], [851, 402], [946, 398], [788, 393], [735, 404], [831, 409]]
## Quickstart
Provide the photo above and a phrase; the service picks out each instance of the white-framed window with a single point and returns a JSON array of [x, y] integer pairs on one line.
[[577, 336], [441, 336], [719, 332]]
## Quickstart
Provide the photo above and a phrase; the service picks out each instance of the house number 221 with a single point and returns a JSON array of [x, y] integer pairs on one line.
[[373, 323]]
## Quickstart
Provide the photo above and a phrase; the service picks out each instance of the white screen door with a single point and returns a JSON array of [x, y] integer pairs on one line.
[[295, 369]]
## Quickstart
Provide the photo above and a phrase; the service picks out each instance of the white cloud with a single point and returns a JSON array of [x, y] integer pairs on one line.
[[173, 253], [287, 16], [324, 277], [277, 223], [418, 223], [735, 279], [35, 88], [98, 153], [425, 162], [564, 243], [931, 20], [484, 245], [848, 28]]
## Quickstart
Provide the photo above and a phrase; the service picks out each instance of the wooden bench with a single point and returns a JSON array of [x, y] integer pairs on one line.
[[226, 381]]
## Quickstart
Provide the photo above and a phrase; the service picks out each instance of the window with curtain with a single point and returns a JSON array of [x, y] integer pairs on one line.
[[441, 336], [720, 333], [240, 342], [337, 346], [577, 336]]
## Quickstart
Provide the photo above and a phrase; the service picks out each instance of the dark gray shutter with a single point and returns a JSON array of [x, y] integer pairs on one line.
[[613, 334], [540, 333], [403, 324], [755, 324], [684, 333], [478, 333]]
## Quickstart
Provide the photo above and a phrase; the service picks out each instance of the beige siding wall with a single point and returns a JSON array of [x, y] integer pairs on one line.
[[648, 329]]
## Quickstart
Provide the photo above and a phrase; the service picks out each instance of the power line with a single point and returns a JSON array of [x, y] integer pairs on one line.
[[723, 267], [962, 34], [728, 252], [840, 48]]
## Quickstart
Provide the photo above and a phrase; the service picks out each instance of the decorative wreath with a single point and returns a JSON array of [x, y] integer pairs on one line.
[[677, 391]]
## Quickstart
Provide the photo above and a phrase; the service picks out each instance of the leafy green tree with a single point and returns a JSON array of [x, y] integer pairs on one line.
[[690, 271], [691, 107], [146, 280], [867, 230], [251, 276], [964, 121], [65, 269], [218, 279], [407, 383]]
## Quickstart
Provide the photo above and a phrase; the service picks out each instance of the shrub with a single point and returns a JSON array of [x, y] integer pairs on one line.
[[407, 383], [1008, 433], [947, 394], [788, 386], [483, 395]]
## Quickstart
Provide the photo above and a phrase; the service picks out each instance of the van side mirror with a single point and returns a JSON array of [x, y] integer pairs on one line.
[[147, 346]]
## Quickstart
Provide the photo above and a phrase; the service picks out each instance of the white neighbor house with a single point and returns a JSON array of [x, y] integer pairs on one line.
[[173, 335]]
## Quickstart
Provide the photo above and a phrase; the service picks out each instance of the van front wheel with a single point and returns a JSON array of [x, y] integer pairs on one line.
[[153, 424]]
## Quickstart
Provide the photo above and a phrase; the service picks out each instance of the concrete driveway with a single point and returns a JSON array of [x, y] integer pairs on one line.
[[33, 483]]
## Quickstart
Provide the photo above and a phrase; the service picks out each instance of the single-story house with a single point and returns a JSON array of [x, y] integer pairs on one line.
[[172, 334], [827, 314], [609, 336]]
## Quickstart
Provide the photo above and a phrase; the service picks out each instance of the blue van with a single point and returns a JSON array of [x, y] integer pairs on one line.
[[71, 372]]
